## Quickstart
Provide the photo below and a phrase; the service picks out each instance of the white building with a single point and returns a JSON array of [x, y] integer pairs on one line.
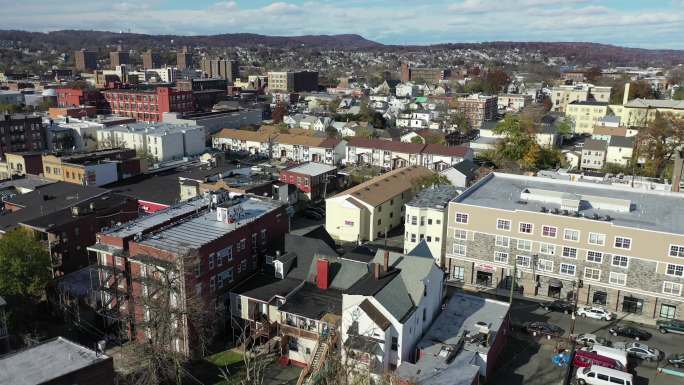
[[620, 150], [214, 122], [513, 102], [162, 141]]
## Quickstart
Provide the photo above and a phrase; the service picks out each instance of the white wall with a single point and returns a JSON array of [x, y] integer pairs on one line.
[[104, 173], [194, 141]]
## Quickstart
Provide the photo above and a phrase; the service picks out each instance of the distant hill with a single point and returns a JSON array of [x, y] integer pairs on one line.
[[74, 39]]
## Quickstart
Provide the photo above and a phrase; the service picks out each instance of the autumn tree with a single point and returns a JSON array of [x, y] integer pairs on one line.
[[592, 74], [278, 113], [659, 141], [640, 89]]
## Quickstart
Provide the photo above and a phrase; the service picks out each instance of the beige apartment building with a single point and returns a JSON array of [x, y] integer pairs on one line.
[[586, 115], [561, 96], [623, 248], [367, 211]]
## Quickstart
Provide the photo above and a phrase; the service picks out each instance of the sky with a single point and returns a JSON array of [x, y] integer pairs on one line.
[[632, 23]]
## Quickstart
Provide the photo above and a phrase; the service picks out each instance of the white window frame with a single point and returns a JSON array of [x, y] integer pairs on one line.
[[551, 248], [680, 251], [525, 224], [613, 278], [500, 221], [501, 257], [565, 237], [592, 269], [460, 277], [505, 241], [547, 227], [517, 245], [612, 261], [667, 267], [615, 243], [462, 216], [545, 262], [600, 256], [672, 286], [462, 249], [569, 248], [527, 258], [598, 235], [211, 261], [460, 234], [563, 264]]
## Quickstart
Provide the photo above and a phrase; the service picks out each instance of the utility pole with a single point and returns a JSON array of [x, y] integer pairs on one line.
[[515, 271], [573, 347]]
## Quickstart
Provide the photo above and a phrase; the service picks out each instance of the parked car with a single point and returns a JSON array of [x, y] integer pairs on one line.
[[670, 326], [312, 215], [676, 360], [583, 359], [599, 375], [629, 331], [558, 305], [640, 351], [543, 328], [588, 339], [595, 312]]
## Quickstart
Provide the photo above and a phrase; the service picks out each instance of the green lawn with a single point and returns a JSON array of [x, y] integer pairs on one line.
[[225, 358]]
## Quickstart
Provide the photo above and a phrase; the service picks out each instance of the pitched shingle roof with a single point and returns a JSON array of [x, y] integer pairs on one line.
[[385, 186]]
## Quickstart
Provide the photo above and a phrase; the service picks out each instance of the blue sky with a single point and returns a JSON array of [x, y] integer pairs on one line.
[[635, 23]]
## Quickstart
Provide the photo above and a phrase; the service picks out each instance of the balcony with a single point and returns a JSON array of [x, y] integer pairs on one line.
[[297, 332]]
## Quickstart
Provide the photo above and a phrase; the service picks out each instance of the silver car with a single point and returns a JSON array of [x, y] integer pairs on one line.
[[641, 351]]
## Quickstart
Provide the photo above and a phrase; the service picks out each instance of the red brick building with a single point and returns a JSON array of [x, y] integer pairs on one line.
[[148, 105], [227, 242], [74, 97], [311, 178]]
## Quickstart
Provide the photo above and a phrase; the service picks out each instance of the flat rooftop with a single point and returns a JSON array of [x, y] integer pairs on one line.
[[448, 355], [197, 231], [649, 210], [152, 128], [312, 168], [45, 362], [435, 197], [314, 303]]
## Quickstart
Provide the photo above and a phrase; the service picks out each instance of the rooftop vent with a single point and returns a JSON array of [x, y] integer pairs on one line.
[[544, 209], [608, 218]]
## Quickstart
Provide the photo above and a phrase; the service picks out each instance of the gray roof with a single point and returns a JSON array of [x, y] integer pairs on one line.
[[652, 210], [595, 145], [656, 103], [436, 197], [457, 320], [45, 362], [621, 141], [312, 168], [151, 128], [466, 167]]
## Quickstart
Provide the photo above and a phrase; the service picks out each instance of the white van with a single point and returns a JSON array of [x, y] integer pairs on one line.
[[598, 375], [616, 354]]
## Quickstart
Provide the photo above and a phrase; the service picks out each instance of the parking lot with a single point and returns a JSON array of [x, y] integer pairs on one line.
[[527, 359]]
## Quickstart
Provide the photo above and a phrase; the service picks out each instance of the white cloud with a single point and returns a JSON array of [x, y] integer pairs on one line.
[[281, 8]]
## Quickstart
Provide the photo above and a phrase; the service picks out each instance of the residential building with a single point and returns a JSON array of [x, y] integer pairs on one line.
[[513, 102], [21, 133], [57, 361], [463, 344], [462, 174], [606, 132], [292, 81], [620, 150], [213, 122], [477, 108], [426, 216], [117, 58], [151, 59], [392, 154], [414, 74], [161, 141], [373, 208], [96, 168], [220, 69], [75, 97], [586, 114], [313, 180], [563, 95], [184, 60], [85, 60], [11, 97], [22, 163], [594, 154], [227, 244], [71, 134], [148, 105], [573, 76], [609, 245], [638, 112], [4, 331]]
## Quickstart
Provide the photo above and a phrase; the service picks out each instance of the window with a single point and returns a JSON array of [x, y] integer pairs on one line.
[[212, 283], [226, 253], [617, 278], [414, 220], [623, 243], [461, 218], [503, 224], [438, 221], [592, 274], [620, 261], [672, 288], [429, 221], [395, 344], [547, 248], [524, 245], [523, 261], [594, 256], [502, 241], [526, 228], [459, 249], [263, 236], [211, 261], [198, 270], [545, 265], [241, 245], [567, 269], [460, 234], [597, 239], [675, 270], [458, 273], [549, 231], [413, 238], [118, 261], [198, 289], [500, 257], [569, 252], [668, 311], [428, 238], [677, 251]]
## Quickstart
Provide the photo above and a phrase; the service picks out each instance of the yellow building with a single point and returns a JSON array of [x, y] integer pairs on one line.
[[368, 210], [562, 96], [586, 115], [638, 112]]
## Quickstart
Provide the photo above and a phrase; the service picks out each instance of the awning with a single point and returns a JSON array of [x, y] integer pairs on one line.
[[555, 282]]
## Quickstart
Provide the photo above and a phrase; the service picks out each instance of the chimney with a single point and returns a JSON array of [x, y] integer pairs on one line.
[[376, 270], [677, 170], [386, 261], [625, 97], [323, 270]]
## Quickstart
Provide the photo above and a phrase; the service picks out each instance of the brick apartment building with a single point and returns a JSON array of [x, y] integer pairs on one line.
[[293, 81], [148, 105], [85, 60], [117, 58], [409, 74], [151, 59], [21, 132], [477, 108], [227, 241], [619, 248], [221, 69], [312, 179], [74, 97]]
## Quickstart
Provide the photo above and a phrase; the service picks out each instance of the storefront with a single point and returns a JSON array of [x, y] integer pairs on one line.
[[484, 275]]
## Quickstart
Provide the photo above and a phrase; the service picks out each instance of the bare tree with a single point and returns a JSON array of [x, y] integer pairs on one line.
[[255, 359]]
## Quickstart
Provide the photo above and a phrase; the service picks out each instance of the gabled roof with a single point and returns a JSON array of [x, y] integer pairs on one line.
[[407, 148], [656, 103], [252, 136], [374, 314], [621, 141], [612, 131], [595, 145], [421, 250], [467, 167], [385, 186], [439, 149]]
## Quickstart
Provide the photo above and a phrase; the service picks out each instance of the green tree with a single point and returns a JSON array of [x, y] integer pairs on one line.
[[565, 126], [679, 94], [516, 142], [432, 179], [640, 89], [333, 106], [417, 140], [659, 141], [24, 264]]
